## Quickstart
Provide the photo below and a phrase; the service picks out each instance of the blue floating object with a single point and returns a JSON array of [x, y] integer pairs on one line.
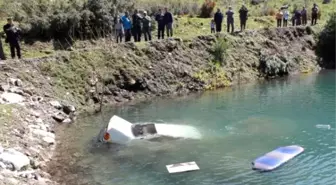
[[276, 158]]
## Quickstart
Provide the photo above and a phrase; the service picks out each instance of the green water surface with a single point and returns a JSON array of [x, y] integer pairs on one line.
[[237, 125]]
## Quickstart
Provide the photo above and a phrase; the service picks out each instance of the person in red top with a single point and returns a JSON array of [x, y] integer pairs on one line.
[[279, 17]]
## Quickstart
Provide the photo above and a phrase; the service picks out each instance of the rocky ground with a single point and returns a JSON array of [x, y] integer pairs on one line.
[[38, 94]]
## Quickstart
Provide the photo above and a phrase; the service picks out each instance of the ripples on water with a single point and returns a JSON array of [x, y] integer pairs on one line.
[[237, 125]]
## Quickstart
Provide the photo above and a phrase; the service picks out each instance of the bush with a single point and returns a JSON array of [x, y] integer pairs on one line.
[[207, 9], [326, 43], [219, 51], [62, 19]]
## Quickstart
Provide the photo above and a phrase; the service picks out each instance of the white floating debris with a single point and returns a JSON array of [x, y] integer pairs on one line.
[[328, 127], [182, 167]]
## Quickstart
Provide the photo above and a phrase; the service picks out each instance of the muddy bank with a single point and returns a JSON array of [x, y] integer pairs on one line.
[[38, 94]]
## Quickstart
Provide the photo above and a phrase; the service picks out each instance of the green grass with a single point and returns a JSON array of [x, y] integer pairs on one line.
[[190, 26]]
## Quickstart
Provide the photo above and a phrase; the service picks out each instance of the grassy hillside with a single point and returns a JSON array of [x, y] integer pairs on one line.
[[187, 25]]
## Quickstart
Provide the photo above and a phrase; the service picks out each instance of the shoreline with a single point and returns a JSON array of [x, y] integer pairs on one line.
[[161, 69]]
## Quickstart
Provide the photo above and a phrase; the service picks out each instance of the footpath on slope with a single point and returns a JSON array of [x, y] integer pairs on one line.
[[38, 94]]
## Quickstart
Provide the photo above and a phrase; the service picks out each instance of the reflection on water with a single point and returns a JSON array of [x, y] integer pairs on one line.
[[237, 125]]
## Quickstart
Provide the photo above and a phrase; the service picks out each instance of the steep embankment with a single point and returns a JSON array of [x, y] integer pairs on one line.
[[120, 73]]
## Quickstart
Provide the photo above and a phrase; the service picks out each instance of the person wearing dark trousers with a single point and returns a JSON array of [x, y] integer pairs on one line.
[[230, 20], [279, 17], [13, 38], [161, 24], [304, 16], [127, 24], [243, 17], [2, 54], [218, 20], [146, 26], [169, 19], [315, 12], [298, 17], [137, 19]]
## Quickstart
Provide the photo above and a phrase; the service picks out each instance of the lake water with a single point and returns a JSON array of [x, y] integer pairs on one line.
[[237, 125]]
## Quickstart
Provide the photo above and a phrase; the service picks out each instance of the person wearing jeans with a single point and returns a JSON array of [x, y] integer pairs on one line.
[[169, 19], [285, 18], [127, 24]]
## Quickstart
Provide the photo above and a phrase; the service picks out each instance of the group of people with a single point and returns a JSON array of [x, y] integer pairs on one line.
[[298, 18], [216, 23], [141, 23]]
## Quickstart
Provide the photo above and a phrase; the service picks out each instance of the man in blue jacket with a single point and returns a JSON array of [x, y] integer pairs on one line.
[[218, 20], [127, 26], [169, 19]]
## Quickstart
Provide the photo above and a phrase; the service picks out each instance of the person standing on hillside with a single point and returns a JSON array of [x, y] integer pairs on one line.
[[304, 16], [161, 24], [315, 12], [137, 19], [127, 24], [279, 17], [218, 20], [2, 54], [230, 20], [119, 30], [212, 26], [243, 17], [298, 17], [147, 26], [285, 18], [13, 38], [169, 19]]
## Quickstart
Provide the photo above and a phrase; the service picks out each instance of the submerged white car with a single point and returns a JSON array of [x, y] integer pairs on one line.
[[120, 131]]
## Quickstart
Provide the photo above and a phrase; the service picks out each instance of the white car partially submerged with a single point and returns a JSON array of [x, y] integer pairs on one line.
[[120, 131]]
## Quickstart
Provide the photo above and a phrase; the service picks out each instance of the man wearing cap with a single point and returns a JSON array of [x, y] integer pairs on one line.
[[146, 26], [12, 37]]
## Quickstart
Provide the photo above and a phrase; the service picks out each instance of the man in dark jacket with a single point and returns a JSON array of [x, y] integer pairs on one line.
[[137, 19], [169, 19], [315, 11], [243, 17], [298, 17], [230, 20], [12, 37], [304, 16], [218, 20], [161, 24]]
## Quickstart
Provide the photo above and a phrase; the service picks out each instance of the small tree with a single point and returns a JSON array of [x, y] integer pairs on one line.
[[219, 51], [207, 8], [326, 43]]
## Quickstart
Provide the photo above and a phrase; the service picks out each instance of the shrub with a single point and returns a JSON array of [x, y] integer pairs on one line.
[[326, 43], [62, 19], [207, 8], [219, 51]]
